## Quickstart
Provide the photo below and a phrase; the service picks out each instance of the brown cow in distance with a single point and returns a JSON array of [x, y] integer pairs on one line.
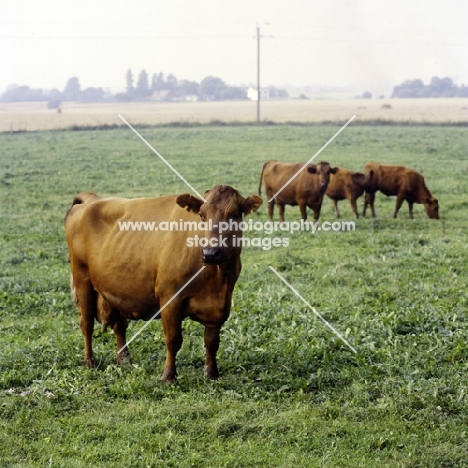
[[305, 190], [407, 184], [122, 274], [345, 184]]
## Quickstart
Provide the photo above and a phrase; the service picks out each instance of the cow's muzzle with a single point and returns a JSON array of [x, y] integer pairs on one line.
[[323, 186], [213, 256]]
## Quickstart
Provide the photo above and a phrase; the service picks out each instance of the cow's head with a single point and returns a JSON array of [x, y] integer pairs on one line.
[[431, 205], [223, 212], [323, 170]]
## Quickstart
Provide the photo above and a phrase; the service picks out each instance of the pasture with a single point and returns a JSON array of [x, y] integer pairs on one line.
[[290, 393], [33, 116]]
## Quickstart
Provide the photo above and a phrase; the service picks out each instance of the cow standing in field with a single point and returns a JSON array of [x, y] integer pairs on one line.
[[305, 190], [345, 184], [407, 184], [120, 275]]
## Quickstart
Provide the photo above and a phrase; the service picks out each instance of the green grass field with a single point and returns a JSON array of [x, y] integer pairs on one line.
[[290, 393]]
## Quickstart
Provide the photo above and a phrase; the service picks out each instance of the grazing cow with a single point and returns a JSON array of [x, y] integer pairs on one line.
[[120, 274], [307, 189], [345, 184], [407, 184]]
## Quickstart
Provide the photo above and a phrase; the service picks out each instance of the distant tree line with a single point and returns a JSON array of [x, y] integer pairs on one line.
[[211, 88], [71, 92], [160, 88], [168, 88], [437, 88]]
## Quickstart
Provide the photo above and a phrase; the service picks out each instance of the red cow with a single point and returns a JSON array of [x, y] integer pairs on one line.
[[305, 190], [405, 183], [348, 185], [119, 275]]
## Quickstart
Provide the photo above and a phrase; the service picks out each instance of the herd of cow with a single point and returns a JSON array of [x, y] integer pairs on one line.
[[120, 275], [308, 187]]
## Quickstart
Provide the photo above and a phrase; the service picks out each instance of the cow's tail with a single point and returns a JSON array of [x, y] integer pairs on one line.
[[81, 199], [84, 197], [261, 178], [360, 180]]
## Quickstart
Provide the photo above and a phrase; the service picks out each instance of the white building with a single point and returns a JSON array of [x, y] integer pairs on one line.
[[267, 93]]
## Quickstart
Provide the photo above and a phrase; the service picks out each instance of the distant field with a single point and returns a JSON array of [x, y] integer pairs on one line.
[[291, 394], [36, 116]]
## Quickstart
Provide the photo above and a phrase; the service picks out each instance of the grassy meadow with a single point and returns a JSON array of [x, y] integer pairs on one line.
[[290, 393]]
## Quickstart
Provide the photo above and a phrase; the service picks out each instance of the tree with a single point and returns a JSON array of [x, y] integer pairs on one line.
[[157, 82], [215, 89], [409, 89], [235, 93], [92, 95], [72, 90], [129, 80], [23, 94], [171, 82], [55, 94], [55, 98], [186, 88], [441, 87], [438, 87], [142, 89], [211, 88]]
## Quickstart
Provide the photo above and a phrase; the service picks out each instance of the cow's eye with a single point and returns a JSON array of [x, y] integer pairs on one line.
[[236, 215], [201, 216]]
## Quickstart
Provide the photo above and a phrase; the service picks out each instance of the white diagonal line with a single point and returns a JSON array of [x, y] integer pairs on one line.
[[313, 310], [162, 308], [312, 158], [162, 159]]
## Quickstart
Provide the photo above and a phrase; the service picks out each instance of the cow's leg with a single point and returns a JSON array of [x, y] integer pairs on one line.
[[172, 327], [369, 200], [87, 298], [399, 201], [335, 204], [123, 353], [108, 316], [303, 210], [410, 206], [281, 211], [316, 208], [353, 204], [211, 345], [271, 208]]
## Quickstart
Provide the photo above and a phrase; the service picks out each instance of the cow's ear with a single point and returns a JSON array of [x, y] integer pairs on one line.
[[432, 201], [333, 170], [251, 203], [312, 169], [190, 202]]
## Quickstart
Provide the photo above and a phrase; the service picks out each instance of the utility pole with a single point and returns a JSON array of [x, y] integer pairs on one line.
[[259, 36], [258, 74]]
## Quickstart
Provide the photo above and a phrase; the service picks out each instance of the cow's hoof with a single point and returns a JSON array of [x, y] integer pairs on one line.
[[169, 380], [124, 359], [169, 377], [90, 363], [211, 373]]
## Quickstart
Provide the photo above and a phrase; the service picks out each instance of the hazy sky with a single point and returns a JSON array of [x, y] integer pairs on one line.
[[328, 42]]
